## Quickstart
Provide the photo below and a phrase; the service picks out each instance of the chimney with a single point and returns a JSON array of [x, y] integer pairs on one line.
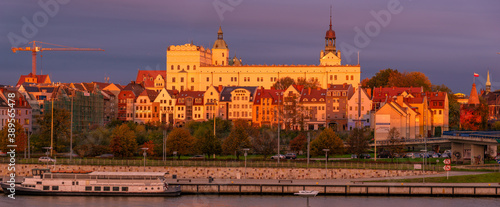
[[220, 88], [309, 91]]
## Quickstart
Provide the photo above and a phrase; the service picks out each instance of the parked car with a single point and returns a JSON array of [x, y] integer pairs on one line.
[[365, 156], [46, 159], [276, 157], [197, 157], [436, 155], [384, 154], [412, 155], [291, 156], [105, 156], [445, 155], [354, 156], [70, 155]]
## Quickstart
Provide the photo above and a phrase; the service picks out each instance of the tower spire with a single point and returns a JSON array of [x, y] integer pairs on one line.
[[488, 83], [330, 16]]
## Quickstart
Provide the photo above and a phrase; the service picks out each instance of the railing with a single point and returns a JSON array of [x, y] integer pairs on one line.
[[227, 163]]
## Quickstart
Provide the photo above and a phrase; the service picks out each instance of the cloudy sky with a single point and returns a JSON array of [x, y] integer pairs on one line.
[[447, 40]]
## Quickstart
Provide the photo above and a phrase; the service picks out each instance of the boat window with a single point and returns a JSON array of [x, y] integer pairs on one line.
[[88, 188], [55, 187], [73, 183], [124, 188], [39, 182], [116, 188], [145, 188], [107, 188], [97, 188], [46, 187], [76, 182]]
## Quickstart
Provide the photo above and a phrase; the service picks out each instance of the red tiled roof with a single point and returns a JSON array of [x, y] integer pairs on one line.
[[40, 78], [193, 94], [151, 94], [379, 94], [310, 94], [148, 76], [268, 93]]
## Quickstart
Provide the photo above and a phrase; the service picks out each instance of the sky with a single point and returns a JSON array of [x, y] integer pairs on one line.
[[447, 40]]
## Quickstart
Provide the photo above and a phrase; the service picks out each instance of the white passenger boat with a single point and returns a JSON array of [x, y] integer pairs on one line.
[[307, 193], [95, 184]]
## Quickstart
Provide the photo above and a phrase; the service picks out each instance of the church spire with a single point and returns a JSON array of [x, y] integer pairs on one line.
[[330, 17], [488, 83]]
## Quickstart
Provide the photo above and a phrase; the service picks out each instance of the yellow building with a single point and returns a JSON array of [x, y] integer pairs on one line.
[[195, 68]]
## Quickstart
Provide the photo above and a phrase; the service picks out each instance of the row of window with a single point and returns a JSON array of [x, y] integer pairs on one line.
[[5, 121], [244, 114], [243, 106], [179, 67], [334, 77]]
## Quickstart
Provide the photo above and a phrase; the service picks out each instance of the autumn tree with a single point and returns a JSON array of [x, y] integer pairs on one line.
[[299, 143], [206, 142], [358, 141], [237, 139], [309, 83], [93, 143], [61, 129], [181, 141], [123, 142], [327, 139], [409, 79], [265, 142], [380, 79], [283, 83], [13, 134], [151, 147]]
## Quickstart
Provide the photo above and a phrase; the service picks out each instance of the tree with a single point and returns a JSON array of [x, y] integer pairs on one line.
[[123, 142], [61, 129], [327, 139], [309, 83], [299, 143], [151, 147], [380, 79], [283, 83], [237, 139], [396, 143], [93, 143], [206, 142], [292, 112], [265, 142], [13, 134], [181, 141], [358, 141], [496, 126]]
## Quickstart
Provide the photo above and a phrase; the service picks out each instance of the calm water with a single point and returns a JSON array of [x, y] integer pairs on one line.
[[229, 200]]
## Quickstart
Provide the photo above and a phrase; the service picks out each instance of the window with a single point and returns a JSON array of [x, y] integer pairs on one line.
[[220, 79], [182, 79], [178, 67], [124, 188], [173, 80], [331, 77], [116, 188], [106, 188], [46, 187], [194, 67], [335, 77], [172, 67], [187, 67], [89, 188], [222, 62], [347, 77], [208, 79], [55, 187], [352, 77], [97, 188], [216, 62]]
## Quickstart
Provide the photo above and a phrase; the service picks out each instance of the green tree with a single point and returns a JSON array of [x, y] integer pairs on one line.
[[206, 142], [496, 126], [181, 141], [16, 136], [380, 79], [358, 141], [327, 139], [237, 139], [283, 83], [123, 142], [93, 143], [61, 129]]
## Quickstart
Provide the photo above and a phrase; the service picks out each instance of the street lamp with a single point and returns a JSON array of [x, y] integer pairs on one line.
[[246, 150], [326, 162], [144, 153]]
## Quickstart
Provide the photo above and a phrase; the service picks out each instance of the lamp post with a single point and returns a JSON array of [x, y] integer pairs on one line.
[[246, 150], [326, 162], [144, 153]]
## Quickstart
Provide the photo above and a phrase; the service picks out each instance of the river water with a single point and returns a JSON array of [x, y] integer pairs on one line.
[[248, 200]]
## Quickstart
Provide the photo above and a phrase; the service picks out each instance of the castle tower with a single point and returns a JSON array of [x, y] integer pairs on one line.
[[488, 83], [330, 56], [473, 98], [220, 52]]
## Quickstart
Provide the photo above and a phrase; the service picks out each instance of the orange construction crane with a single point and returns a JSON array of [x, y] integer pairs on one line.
[[34, 49]]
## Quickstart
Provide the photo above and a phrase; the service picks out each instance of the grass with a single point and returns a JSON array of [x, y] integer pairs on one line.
[[481, 178]]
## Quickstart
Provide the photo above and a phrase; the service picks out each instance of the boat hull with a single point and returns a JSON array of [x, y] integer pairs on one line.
[[20, 190]]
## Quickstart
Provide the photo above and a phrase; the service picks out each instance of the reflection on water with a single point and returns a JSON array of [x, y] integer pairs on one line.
[[247, 200]]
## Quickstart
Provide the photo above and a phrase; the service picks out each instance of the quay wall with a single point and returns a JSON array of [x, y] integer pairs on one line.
[[226, 172]]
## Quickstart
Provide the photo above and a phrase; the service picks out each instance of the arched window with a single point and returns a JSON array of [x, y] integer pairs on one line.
[[178, 67], [187, 67], [194, 67], [352, 77], [172, 67], [222, 56]]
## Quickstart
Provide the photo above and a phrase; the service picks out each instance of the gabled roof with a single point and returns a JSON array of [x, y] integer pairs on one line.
[[148, 77], [151, 94], [273, 94], [135, 88], [225, 94], [40, 78], [193, 94], [309, 94], [380, 94], [338, 87]]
